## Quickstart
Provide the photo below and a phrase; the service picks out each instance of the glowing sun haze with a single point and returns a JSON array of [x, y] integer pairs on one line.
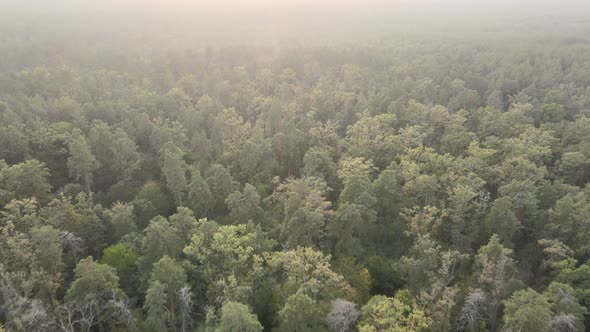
[[531, 6], [280, 3], [229, 4], [437, 8]]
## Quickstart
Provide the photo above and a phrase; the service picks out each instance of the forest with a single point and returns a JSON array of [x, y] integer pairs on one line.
[[430, 179]]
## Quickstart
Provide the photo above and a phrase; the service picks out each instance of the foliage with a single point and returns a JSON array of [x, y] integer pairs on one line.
[[527, 310], [237, 317], [383, 313], [167, 180]]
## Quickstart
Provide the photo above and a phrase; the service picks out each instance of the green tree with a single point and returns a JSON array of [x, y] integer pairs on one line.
[[527, 310], [93, 295], [567, 313], [81, 162], [46, 241], [568, 219], [466, 201], [237, 317], [93, 279], [372, 137], [152, 195], [496, 276], [158, 318], [228, 259], [124, 261], [166, 280], [349, 230], [319, 162], [301, 313], [573, 166], [184, 222], [245, 206], [399, 313], [288, 144], [356, 175], [21, 214], [501, 220], [308, 271], [24, 180], [126, 159], [121, 219], [221, 183], [429, 273], [101, 141], [14, 144], [174, 170], [302, 208], [389, 228], [200, 199], [576, 276], [357, 275], [160, 239]]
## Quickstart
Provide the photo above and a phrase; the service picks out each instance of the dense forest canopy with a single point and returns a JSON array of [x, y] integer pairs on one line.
[[329, 170]]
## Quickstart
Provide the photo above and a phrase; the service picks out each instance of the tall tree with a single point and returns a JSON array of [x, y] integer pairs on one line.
[[124, 261], [567, 313], [303, 210], [160, 239], [121, 219], [221, 183], [93, 296], [302, 313], [245, 206], [166, 281], [200, 199], [237, 317], [399, 313], [527, 310], [81, 162], [496, 277], [24, 180], [174, 170]]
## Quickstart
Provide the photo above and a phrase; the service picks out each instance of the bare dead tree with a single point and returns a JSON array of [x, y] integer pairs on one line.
[[83, 315], [26, 313], [185, 299], [564, 323], [472, 312], [122, 311], [72, 242], [342, 316], [80, 315]]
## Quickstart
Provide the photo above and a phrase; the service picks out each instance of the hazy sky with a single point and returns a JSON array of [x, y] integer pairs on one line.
[[254, 21], [319, 16], [561, 5]]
